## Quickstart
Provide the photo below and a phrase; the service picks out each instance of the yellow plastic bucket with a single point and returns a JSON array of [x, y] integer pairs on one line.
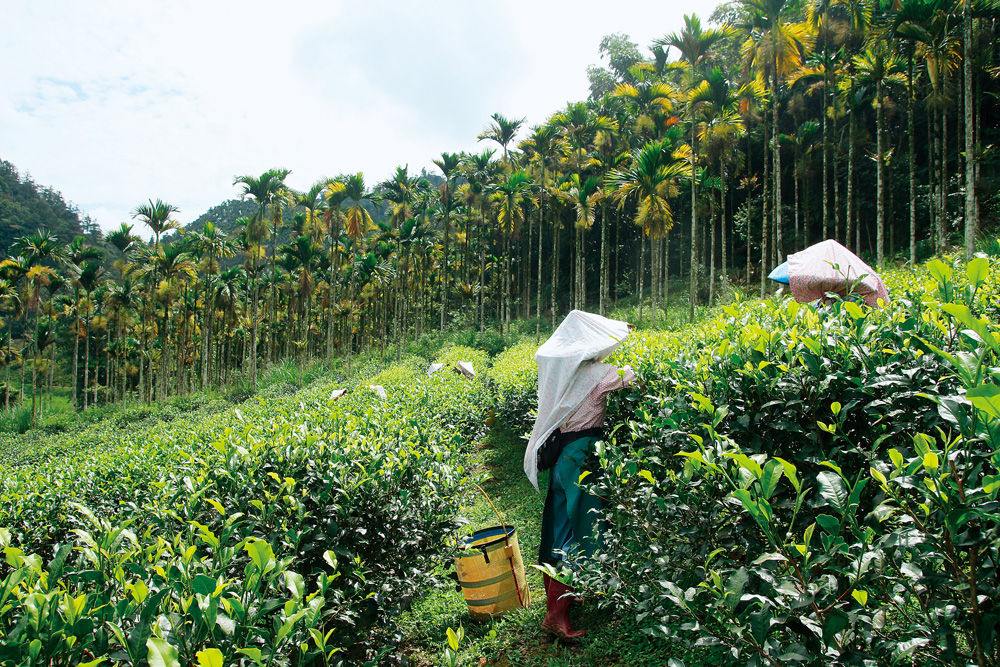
[[492, 576]]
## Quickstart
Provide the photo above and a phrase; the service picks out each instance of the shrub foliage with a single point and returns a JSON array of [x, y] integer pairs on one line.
[[804, 485], [286, 531]]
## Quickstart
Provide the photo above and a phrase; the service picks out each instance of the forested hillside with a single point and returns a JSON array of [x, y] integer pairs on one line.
[[26, 206]]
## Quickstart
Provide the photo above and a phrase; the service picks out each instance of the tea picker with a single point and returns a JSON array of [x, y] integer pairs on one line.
[[573, 385]]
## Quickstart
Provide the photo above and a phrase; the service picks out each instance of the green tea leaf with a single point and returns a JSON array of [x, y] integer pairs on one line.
[[295, 584], [835, 622], [896, 458], [877, 475], [833, 491], [746, 498], [977, 270], [986, 399], [161, 653], [922, 442], [747, 463], [252, 653], [828, 523], [260, 553], [940, 271], [990, 484], [773, 470], [210, 657], [854, 310], [734, 587], [791, 472]]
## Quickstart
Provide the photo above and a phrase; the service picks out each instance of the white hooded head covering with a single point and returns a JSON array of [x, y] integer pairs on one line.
[[568, 369]]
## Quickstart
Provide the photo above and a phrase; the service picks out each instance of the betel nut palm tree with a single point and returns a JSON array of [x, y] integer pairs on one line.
[[695, 46], [272, 195], [648, 181], [448, 163]]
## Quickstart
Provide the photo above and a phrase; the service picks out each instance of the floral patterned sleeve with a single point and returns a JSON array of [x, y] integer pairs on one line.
[[591, 412]]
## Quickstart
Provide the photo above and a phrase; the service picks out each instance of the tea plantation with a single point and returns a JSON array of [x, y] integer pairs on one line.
[[785, 485]]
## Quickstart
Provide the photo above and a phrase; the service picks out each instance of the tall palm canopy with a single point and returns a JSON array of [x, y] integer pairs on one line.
[[771, 126]]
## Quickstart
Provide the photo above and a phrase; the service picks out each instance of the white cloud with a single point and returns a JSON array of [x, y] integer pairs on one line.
[[113, 103]]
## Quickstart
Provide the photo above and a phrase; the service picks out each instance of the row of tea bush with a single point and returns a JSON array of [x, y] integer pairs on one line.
[[808, 484], [289, 530]]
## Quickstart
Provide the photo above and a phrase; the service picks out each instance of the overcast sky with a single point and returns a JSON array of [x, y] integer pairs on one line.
[[116, 102]]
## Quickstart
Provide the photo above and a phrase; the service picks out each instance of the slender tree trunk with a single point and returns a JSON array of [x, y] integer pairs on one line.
[[526, 271], [642, 269], [556, 229], [604, 262], [749, 197], [34, 379], [911, 132], [76, 346], [206, 345], [711, 250], [725, 264], [942, 175], [693, 288], [798, 209], [779, 247], [654, 278], [851, 220], [444, 262], [52, 372], [826, 158], [123, 364], [617, 274], [971, 156], [765, 227], [164, 356], [835, 174], [97, 366], [86, 361], [253, 333], [837, 203], [666, 273], [24, 349], [142, 349], [538, 295], [880, 177], [482, 270], [507, 290], [10, 336]]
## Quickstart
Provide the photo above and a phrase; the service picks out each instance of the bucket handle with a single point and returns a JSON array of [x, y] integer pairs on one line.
[[503, 524], [506, 541]]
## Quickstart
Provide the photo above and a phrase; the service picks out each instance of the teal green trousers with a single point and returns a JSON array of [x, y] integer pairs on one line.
[[569, 520]]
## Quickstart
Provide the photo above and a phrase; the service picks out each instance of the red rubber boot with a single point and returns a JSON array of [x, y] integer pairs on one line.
[[557, 605]]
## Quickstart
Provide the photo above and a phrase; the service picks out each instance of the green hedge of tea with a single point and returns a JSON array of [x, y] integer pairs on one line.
[[808, 485], [802, 485], [289, 530]]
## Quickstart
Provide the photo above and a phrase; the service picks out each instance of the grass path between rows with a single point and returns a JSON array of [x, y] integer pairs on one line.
[[516, 640]]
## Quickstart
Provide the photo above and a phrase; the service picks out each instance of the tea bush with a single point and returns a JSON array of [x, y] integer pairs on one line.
[[513, 382], [289, 530], [803, 485]]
